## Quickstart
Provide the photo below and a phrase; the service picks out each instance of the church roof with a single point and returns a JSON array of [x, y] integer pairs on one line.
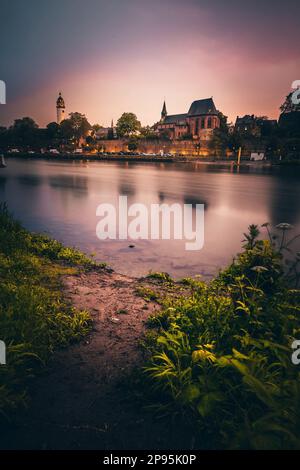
[[206, 106], [174, 118], [247, 119]]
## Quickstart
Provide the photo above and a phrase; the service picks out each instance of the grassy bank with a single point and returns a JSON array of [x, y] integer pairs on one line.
[[34, 318], [220, 356]]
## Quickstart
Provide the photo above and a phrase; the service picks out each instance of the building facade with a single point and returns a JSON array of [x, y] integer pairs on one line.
[[247, 125], [198, 123], [253, 126]]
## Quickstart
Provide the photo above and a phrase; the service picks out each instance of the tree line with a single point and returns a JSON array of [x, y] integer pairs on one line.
[[25, 133], [282, 139]]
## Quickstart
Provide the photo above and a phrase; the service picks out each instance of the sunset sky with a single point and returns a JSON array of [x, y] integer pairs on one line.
[[112, 56]]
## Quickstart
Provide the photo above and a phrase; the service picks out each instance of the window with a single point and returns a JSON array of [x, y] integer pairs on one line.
[[209, 123], [203, 123]]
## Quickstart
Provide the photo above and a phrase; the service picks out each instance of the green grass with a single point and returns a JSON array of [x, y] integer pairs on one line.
[[162, 277], [147, 293], [221, 355], [34, 317]]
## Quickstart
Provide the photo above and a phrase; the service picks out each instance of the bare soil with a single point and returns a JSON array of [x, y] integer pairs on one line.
[[86, 398]]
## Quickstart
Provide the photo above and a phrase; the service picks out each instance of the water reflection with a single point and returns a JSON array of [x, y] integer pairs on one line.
[[195, 200], [62, 197], [126, 189], [285, 200], [30, 180], [79, 184], [2, 187]]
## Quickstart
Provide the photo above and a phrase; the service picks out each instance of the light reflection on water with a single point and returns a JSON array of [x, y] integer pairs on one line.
[[60, 198]]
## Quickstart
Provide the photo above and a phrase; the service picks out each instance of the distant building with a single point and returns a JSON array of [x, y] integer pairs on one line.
[[247, 125], [60, 109], [255, 126], [198, 123], [108, 133]]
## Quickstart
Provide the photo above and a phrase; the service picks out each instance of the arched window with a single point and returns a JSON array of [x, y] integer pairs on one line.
[[209, 123], [203, 123]]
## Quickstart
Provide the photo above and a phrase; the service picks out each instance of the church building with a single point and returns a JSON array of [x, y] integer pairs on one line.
[[198, 123]]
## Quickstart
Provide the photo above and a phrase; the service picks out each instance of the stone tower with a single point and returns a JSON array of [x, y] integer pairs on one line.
[[60, 109]]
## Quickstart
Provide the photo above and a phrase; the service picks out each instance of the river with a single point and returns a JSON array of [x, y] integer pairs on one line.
[[60, 198]]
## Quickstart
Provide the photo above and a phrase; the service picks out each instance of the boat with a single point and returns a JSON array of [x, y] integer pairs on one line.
[[2, 162]]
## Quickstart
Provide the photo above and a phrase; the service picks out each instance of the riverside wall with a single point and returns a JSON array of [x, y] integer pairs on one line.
[[177, 147]]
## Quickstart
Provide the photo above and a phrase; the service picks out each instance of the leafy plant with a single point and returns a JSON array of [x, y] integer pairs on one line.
[[222, 353]]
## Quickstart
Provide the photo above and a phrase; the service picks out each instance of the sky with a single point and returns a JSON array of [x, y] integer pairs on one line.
[[115, 56]]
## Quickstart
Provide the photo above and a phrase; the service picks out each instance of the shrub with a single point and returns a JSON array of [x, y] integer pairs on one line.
[[222, 354]]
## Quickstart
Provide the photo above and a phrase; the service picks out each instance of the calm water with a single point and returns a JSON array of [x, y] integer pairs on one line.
[[60, 198]]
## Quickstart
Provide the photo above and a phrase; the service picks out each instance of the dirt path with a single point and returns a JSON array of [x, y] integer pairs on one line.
[[84, 400]]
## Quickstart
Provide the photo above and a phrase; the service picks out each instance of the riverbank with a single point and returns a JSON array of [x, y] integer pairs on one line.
[[212, 161], [73, 330], [35, 319], [149, 363], [141, 158]]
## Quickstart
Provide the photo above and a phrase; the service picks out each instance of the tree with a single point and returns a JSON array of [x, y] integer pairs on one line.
[[290, 105], [24, 124], [220, 139], [128, 125], [289, 124], [148, 132], [4, 137], [52, 130], [74, 128], [24, 132], [234, 141], [289, 120], [132, 145], [223, 122], [96, 127], [91, 142]]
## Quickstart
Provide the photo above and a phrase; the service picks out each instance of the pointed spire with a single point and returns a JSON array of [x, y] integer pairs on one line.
[[164, 111], [112, 124]]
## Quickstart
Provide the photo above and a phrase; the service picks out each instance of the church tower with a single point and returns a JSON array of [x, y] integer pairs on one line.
[[164, 112], [60, 109], [111, 134]]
